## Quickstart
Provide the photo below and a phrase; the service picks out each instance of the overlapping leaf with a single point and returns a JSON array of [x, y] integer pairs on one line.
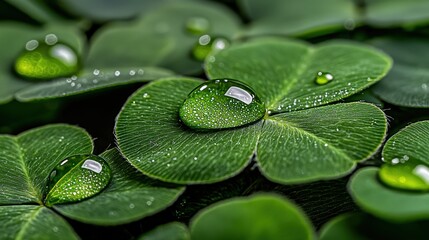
[[359, 226], [13, 38], [383, 201], [261, 216], [388, 13], [94, 79], [169, 231], [297, 17], [408, 82], [160, 37]]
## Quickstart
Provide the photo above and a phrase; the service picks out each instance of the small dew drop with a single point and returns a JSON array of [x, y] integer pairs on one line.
[[323, 78], [96, 72], [51, 39], [117, 73], [207, 45]]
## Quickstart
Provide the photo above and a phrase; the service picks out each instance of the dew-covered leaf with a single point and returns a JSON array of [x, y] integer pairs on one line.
[[13, 39], [380, 193], [27, 159], [150, 135], [389, 13], [262, 216], [298, 17], [407, 84], [319, 143], [130, 196], [33, 222], [169, 231], [90, 80], [283, 72], [160, 38], [385, 202]]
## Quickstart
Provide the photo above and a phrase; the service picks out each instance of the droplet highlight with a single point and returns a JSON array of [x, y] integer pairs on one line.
[[197, 25], [47, 59], [221, 103], [323, 78], [208, 44], [76, 178], [405, 173]]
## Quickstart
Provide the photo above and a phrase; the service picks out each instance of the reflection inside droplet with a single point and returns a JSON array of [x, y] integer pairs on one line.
[[239, 94], [423, 172], [92, 165], [65, 54]]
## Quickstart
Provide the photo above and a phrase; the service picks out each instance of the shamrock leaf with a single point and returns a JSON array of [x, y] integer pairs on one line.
[[268, 216], [408, 82], [297, 144], [369, 192], [27, 160]]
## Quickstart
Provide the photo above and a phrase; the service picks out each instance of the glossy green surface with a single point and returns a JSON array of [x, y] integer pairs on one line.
[[47, 59], [323, 78], [208, 44], [221, 103], [77, 178]]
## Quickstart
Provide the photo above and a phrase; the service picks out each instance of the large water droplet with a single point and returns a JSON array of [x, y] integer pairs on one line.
[[323, 78], [197, 25], [47, 59], [208, 44], [221, 103], [76, 178], [405, 173]]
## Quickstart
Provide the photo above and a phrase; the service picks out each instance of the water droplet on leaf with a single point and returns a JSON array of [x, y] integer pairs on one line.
[[76, 178], [323, 78], [197, 25], [208, 44], [221, 103], [47, 59], [405, 173]]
